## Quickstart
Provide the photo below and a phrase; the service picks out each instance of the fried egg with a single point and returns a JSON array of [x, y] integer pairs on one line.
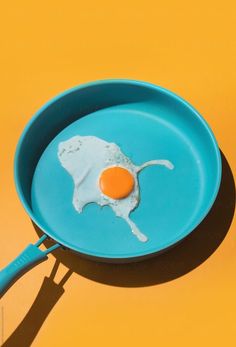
[[102, 174]]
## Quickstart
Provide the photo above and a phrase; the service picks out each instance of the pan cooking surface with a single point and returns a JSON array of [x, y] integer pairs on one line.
[[171, 202]]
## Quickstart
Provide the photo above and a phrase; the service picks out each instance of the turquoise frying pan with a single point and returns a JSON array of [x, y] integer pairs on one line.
[[147, 122]]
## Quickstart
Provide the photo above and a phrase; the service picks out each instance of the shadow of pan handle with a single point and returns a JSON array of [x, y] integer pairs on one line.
[[47, 297]]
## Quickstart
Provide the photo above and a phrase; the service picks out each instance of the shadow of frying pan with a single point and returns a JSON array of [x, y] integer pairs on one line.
[[178, 261]]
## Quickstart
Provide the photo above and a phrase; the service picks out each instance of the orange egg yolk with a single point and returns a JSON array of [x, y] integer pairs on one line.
[[116, 182]]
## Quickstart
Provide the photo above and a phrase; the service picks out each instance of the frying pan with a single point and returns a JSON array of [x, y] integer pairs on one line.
[[147, 122]]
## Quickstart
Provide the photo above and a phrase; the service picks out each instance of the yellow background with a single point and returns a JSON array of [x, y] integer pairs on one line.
[[188, 47]]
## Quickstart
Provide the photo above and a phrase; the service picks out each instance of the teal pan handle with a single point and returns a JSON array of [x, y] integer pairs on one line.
[[30, 257]]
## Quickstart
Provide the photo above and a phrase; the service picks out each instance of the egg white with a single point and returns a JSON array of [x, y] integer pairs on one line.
[[84, 158]]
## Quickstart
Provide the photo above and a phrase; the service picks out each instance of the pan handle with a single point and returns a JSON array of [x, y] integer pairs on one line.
[[26, 260]]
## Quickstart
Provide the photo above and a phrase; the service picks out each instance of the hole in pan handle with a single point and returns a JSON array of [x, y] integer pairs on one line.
[[30, 257]]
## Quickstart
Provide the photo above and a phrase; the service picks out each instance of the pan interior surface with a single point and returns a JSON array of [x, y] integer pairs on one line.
[[172, 202]]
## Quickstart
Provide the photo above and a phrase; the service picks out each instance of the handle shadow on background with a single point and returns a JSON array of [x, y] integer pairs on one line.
[[47, 297]]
